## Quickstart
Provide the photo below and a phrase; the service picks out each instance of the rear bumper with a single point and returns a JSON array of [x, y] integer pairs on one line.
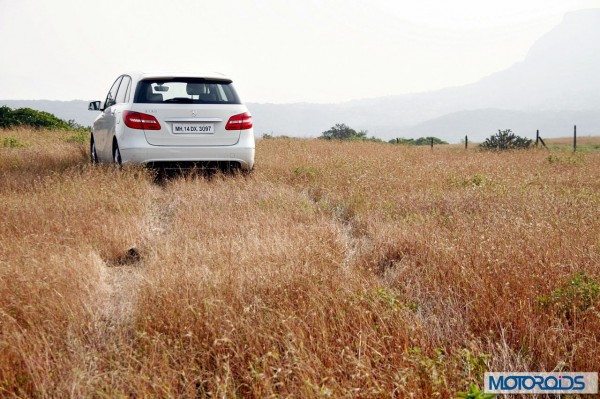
[[156, 154], [135, 149]]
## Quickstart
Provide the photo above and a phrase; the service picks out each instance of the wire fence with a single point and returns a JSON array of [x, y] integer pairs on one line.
[[538, 140]]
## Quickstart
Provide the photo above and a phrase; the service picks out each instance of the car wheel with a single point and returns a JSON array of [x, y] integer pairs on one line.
[[93, 153], [117, 155]]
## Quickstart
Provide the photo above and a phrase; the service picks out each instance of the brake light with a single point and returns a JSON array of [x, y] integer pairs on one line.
[[239, 122], [138, 120]]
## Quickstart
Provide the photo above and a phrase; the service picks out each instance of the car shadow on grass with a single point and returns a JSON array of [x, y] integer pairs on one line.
[[163, 174]]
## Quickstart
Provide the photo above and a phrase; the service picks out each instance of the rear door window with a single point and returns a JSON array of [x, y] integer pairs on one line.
[[122, 94], [186, 91], [112, 94]]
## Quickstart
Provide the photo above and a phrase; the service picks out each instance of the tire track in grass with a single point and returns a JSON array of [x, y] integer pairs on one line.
[[118, 285], [120, 278], [355, 239]]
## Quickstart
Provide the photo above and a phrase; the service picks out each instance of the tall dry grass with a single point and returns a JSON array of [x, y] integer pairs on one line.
[[335, 270]]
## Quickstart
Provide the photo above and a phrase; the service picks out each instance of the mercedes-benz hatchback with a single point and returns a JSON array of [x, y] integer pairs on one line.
[[177, 121]]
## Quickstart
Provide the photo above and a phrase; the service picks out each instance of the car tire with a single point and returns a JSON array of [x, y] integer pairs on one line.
[[117, 160], [93, 153]]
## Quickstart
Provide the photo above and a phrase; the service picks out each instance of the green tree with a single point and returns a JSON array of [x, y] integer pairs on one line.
[[505, 140], [341, 131]]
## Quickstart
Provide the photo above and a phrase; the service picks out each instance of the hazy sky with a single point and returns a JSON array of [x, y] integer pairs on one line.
[[276, 51]]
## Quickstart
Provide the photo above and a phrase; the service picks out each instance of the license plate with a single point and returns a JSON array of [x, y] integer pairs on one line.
[[193, 128]]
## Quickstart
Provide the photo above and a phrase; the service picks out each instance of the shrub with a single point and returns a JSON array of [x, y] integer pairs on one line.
[[374, 139], [419, 141], [34, 118], [574, 159], [12, 142], [268, 136], [79, 137], [306, 173], [505, 140], [402, 140], [577, 295], [475, 393]]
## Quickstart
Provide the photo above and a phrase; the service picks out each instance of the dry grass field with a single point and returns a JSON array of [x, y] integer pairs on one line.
[[334, 270]]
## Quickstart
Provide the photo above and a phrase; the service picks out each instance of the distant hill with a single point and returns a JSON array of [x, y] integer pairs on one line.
[[561, 73], [554, 87], [479, 124]]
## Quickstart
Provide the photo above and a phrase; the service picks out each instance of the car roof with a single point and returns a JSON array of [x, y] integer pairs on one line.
[[146, 75]]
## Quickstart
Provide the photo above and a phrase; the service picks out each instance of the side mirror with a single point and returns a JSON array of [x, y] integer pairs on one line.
[[94, 106]]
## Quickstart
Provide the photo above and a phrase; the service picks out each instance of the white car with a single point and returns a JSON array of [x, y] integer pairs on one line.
[[173, 120]]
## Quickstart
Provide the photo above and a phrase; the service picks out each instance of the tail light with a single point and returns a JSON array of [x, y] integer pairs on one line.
[[138, 120], [239, 122]]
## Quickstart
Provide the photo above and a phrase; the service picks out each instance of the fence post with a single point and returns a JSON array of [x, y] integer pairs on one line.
[[432, 143], [539, 139], [575, 138], [466, 142]]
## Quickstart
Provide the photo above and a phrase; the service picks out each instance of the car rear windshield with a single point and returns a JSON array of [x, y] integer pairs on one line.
[[186, 91]]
